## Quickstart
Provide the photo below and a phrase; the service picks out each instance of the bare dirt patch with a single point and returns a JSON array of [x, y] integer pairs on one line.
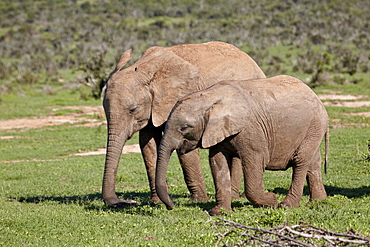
[[126, 149], [20, 124], [352, 101], [344, 100], [361, 114], [81, 116], [341, 97], [9, 137], [353, 104]]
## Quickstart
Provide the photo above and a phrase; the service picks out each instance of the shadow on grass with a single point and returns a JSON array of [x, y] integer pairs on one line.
[[95, 201], [348, 192], [60, 199], [207, 206], [333, 190]]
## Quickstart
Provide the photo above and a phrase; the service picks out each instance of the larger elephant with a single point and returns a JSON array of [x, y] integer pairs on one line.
[[270, 124], [141, 96]]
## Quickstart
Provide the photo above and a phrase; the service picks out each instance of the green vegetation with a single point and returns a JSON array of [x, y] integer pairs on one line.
[[319, 41], [59, 53]]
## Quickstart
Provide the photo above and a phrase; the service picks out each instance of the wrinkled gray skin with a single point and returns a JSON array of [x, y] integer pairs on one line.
[[141, 96], [270, 124]]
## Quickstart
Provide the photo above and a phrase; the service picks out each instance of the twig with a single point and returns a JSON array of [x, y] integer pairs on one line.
[[338, 234], [264, 231], [285, 235], [316, 236]]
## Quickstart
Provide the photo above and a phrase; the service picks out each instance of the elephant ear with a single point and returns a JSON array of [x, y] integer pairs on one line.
[[125, 57], [226, 117], [172, 78]]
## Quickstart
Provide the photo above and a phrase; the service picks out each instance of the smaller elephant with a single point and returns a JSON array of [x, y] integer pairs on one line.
[[269, 124]]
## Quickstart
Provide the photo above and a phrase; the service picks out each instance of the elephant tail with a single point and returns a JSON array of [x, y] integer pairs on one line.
[[326, 150]]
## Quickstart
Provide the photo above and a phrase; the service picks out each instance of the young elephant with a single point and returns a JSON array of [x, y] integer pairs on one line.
[[270, 124]]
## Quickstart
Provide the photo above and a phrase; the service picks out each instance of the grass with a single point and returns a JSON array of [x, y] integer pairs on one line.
[[49, 198], [39, 104]]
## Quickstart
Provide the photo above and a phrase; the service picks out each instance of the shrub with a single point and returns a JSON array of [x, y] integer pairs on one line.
[[95, 74]]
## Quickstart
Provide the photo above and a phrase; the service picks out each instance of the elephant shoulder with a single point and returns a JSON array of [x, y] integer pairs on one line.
[[150, 54], [286, 79], [152, 50]]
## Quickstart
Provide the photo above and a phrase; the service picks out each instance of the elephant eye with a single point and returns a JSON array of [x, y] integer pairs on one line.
[[185, 127], [133, 109]]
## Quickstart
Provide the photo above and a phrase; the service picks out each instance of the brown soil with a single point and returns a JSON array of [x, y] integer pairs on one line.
[[21, 124], [344, 100], [82, 117]]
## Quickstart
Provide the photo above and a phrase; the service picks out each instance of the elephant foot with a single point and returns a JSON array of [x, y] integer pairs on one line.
[[267, 200], [235, 196], [318, 197], [155, 199], [318, 194], [199, 198], [287, 203], [284, 205], [218, 210], [124, 204]]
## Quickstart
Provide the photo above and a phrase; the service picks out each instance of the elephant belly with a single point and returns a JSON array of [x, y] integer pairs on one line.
[[278, 165], [280, 161]]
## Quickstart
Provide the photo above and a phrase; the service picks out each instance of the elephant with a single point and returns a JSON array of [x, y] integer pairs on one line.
[[141, 96], [269, 124]]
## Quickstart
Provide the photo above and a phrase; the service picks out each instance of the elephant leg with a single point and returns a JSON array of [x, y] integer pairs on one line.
[[236, 174], [295, 192], [306, 165], [314, 178], [221, 178], [149, 139], [190, 164], [253, 182]]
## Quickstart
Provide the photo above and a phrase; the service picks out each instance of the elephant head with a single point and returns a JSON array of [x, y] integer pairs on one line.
[[201, 119], [145, 91]]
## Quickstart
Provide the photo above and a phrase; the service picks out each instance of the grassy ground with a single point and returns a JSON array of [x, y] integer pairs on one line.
[[49, 198]]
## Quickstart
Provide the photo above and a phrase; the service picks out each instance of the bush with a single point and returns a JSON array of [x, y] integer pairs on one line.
[[95, 74], [66, 34]]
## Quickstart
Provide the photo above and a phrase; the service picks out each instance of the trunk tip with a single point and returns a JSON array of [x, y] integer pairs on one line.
[[170, 206]]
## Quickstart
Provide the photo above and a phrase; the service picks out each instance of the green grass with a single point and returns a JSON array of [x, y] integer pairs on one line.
[[39, 104], [56, 200]]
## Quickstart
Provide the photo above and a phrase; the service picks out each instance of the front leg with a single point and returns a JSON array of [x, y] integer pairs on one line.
[[236, 174], [149, 139], [254, 186], [190, 164], [221, 177]]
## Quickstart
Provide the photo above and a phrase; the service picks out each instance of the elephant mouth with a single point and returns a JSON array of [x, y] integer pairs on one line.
[[181, 151], [141, 124], [188, 146]]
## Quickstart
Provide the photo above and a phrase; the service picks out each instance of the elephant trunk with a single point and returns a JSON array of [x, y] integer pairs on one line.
[[164, 154], [115, 144]]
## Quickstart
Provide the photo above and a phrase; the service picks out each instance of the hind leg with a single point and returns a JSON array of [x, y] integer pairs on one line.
[[295, 192], [314, 178]]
